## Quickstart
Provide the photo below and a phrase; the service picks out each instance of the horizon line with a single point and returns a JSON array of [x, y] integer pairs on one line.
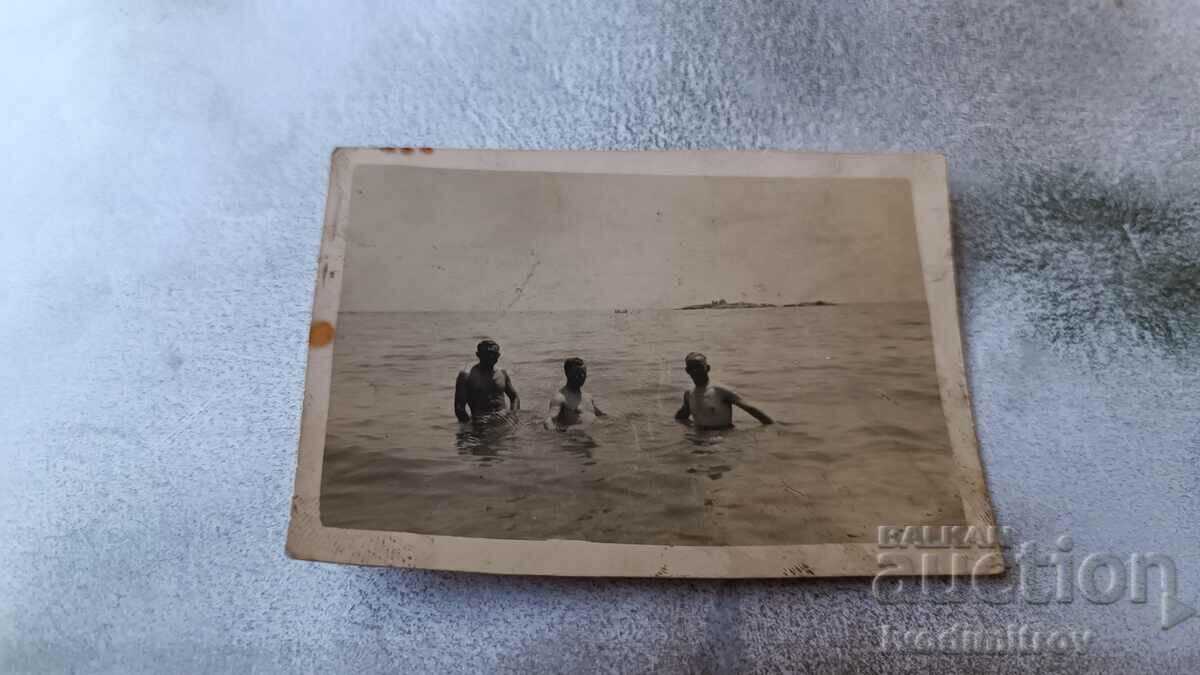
[[630, 309]]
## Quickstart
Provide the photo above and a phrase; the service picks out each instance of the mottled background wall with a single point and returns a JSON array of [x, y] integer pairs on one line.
[[166, 171]]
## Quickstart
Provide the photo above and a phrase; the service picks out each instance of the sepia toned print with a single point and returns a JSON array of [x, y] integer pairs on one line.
[[722, 360]]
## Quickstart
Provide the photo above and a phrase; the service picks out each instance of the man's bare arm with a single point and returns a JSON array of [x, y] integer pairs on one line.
[[755, 412], [596, 409], [460, 397], [555, 411], [684, 412], [513, 397]]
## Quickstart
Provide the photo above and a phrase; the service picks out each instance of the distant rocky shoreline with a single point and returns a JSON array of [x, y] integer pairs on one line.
[[722, 304]]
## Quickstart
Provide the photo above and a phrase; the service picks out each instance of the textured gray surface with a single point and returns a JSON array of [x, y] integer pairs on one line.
[[167, 168]]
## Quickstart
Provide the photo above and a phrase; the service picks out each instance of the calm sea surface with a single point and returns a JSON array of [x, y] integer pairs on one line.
[[862, 441]]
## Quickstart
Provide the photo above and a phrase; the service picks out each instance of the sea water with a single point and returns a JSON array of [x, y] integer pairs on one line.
[[861, 439]]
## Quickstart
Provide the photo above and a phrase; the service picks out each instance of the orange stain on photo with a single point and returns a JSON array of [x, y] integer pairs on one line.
[[320, 334]]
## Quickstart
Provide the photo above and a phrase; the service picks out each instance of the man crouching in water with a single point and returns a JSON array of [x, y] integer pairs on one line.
[[710, 405], [570, 406], [483, 387]]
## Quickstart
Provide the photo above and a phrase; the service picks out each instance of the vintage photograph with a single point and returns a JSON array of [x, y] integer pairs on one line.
[[669, 358]]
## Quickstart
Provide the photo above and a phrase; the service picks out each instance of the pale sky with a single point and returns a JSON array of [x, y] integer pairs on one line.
[[448, 239]]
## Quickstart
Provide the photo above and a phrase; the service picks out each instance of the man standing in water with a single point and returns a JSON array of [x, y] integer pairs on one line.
[[710, 405], [570, 406], [483, 387]]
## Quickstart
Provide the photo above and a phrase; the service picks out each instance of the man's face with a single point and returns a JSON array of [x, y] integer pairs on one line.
[[577, 375], [488, 356], [698, 371]]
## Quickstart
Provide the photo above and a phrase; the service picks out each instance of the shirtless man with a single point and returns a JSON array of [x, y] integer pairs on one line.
[[710, 405], [570, 406], [483, 387]]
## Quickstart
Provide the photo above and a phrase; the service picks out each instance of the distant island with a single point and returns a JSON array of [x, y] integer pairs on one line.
[[723, 304]]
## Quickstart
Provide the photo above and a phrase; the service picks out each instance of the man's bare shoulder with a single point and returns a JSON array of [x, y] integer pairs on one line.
[[725, 392]]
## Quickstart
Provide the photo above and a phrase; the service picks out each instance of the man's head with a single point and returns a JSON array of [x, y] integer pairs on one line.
[[576, 371], [488, 352], [696, 365]]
